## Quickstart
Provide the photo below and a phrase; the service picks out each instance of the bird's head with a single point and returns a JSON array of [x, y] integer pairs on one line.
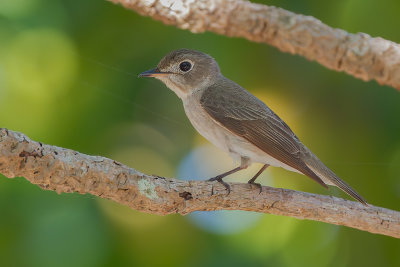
[[185, 71]]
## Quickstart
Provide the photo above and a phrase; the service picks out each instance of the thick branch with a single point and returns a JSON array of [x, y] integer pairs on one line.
[[64, 170], [358, 54]]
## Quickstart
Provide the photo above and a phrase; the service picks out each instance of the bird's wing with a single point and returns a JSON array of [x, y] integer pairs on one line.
[[245, 115]]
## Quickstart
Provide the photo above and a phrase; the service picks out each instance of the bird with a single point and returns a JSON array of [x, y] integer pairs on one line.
[[236, 121]]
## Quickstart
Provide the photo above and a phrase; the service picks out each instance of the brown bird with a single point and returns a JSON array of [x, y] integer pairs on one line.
[[236, 121]]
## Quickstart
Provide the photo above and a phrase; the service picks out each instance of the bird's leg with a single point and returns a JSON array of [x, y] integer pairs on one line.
[[252, 180], [243, 165]]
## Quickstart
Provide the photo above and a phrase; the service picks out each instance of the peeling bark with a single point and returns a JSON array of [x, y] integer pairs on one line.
[[66, 171], [359, 55]]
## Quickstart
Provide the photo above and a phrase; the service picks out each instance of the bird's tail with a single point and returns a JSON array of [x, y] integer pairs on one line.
[[329, 177]]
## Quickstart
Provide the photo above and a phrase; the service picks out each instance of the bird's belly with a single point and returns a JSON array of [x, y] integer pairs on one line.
[[225, 140]]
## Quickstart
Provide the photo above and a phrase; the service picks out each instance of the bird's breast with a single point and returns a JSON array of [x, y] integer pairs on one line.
[[218, 135], [205, 125]]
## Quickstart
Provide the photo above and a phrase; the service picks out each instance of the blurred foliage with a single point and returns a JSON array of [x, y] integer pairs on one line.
[[68, 77]]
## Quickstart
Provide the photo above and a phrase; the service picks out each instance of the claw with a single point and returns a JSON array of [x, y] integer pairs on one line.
[[257, 184], [219, 179], [243, 165]]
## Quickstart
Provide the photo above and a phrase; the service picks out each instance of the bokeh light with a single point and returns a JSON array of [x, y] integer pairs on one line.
[[45, 58], [17, 8]]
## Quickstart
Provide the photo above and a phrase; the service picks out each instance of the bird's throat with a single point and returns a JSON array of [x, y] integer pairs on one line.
[[180, 91]]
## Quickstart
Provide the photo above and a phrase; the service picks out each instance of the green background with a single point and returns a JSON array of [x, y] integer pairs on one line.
[[68, 77]]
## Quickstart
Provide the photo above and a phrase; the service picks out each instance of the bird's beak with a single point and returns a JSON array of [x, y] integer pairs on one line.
[[153, 73]]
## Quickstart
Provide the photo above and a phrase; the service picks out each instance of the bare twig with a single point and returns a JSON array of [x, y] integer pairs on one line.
[[64, 170], [358, 54]]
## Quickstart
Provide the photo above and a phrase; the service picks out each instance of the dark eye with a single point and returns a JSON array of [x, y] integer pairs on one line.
[[185, 66]]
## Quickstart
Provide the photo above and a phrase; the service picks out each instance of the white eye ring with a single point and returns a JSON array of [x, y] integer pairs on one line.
[[186, 65]]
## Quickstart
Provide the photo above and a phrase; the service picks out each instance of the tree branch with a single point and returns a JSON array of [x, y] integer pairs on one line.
[[66, 171], [358, 54]]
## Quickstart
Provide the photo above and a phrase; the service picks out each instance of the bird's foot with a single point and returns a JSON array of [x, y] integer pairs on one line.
[[219, 179], [256, 184]]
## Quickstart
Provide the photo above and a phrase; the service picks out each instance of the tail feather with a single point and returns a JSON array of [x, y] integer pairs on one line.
[[329, 177]]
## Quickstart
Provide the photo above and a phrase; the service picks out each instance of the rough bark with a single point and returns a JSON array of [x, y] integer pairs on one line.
[[358, 54], [66, 171]]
